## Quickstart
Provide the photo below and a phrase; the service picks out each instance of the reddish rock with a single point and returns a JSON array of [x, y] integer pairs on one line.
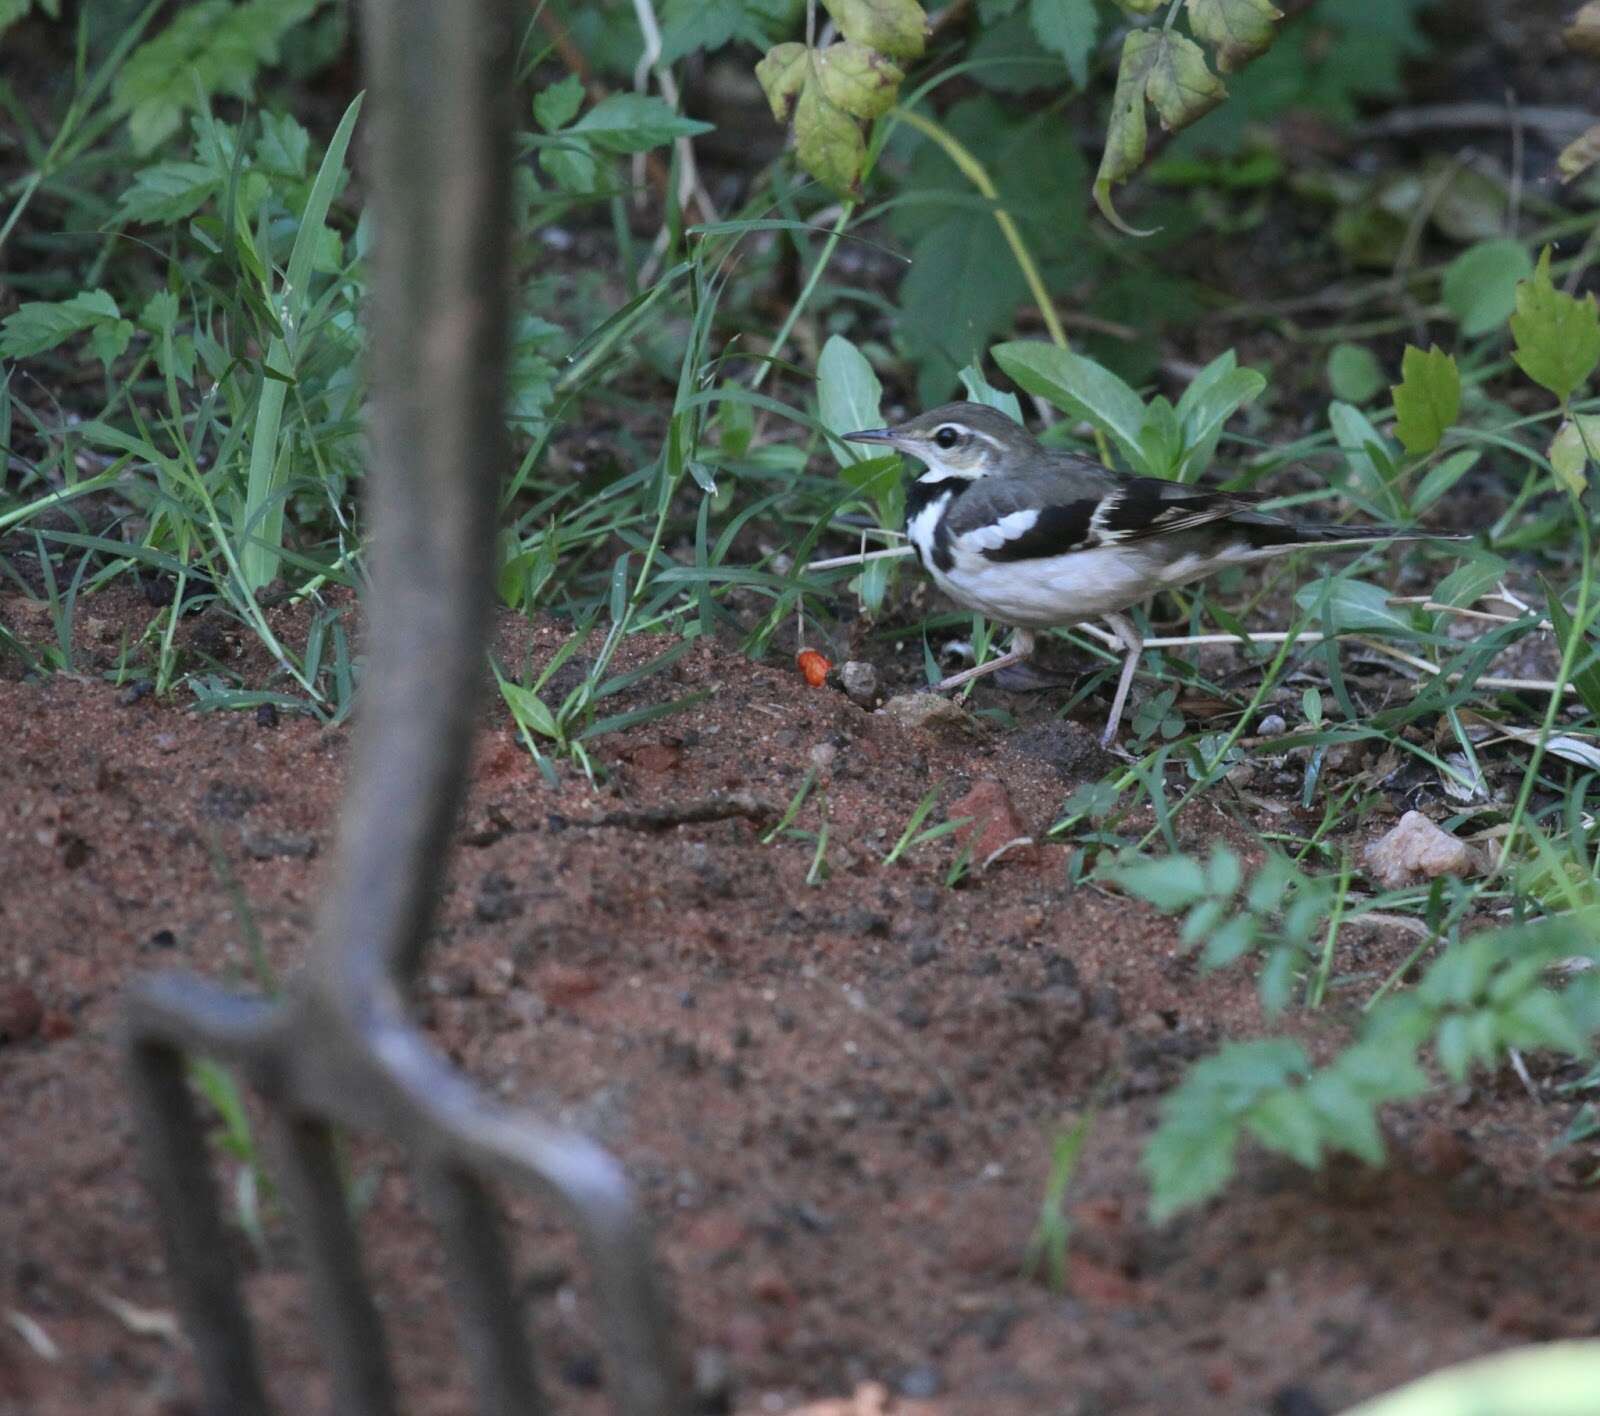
[[562, 985], [21, 1013], [656, 756], [770, 1286], [1100, 1286], [55, 1026], [995, 824]]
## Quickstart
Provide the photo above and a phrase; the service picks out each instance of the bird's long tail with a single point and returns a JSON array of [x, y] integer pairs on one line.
[[1278, 538]]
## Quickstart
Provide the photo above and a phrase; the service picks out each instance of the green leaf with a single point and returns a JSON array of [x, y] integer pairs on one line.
[[1444, 475], [1586, 677], [1237, 29], [39, 325], [782, 73], [1160, 438], [529, 710], [1575, 445], [1353, 607], [213, 46], [897, 28], [167, 192], [635, 122], [857, 79], [1427, 399], [1368, 454], [1286, 1122], [980, 390], [1353, 373], [1170, 883], [1203, 412], [1229, 943], [1478, 573], [1480, 285], [1578, 156], [1347, 1118], [1081, 387], [849, 398], [956, 297], [1067, 28], [558, 105], [1558, 336]]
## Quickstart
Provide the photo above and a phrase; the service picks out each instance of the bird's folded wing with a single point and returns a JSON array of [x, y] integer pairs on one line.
[[1012, 519]]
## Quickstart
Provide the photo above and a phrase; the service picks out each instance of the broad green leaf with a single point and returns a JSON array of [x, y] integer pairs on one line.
[[1203, 421], [1067, 28], [1170, 883], [1558, 335], [529, 709], [1081, 387], [782, 74], [557, 105], [1427, 399], [635, 122], [1160, 438], [897, 28], [1440, 478], [1543, 1379], [1237, 29], [848, 398], [1480, 285], [857, 79], [1170, 71], [1371, 461], [1472, 579], [1575, 445], [980, 390], [1354, 373], [1353, 606]]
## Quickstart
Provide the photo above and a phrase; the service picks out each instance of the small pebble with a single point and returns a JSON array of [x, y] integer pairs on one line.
[[860, 682], [822, 756], [1272, 725]]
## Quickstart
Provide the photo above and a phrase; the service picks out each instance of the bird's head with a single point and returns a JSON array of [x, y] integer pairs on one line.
[[958, 440]]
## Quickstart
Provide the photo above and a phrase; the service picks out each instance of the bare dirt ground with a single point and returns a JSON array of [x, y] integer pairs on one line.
[[836, 1099]]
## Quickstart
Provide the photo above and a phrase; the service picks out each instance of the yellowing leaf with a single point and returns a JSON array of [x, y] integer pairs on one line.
[[897, 28], [828, 140], [1578, 156], [857, 79], [1575, 445], [1170, 71], [782, 74], [1558, 336], [1238, 29], [1583, 34], [1181, 88], [1427, 398]]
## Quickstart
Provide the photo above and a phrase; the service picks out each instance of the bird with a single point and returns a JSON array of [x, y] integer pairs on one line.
[[1039, 538]]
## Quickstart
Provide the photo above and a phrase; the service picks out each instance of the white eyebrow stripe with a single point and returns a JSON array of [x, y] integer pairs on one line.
[[1007, 528]]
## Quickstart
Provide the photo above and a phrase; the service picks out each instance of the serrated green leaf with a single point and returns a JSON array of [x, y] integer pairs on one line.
[[39, 325], [782, 73], [859, 80], [1575, 445], [283, 145], [1078, 386], [557, 105], [1427, 399], [1353, 373], [1480, 285], [168, 191], [1223, 872], [1237, 29], [1557, 335], [1067, 28], [1287, 1123], [635, 122], [1229, 942], [1202, 922], [1347, 1119], [897, 28], [1187, 1164], [221, 45]]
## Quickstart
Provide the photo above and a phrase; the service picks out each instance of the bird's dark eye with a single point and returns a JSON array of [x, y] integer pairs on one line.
[[947, 437]]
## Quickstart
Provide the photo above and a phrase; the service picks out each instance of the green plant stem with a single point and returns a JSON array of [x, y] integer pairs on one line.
[[974, 172], [1569, 654], [846, 211]]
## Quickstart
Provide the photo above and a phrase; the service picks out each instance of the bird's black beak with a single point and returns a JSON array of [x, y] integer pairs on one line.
[[872, 435]]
